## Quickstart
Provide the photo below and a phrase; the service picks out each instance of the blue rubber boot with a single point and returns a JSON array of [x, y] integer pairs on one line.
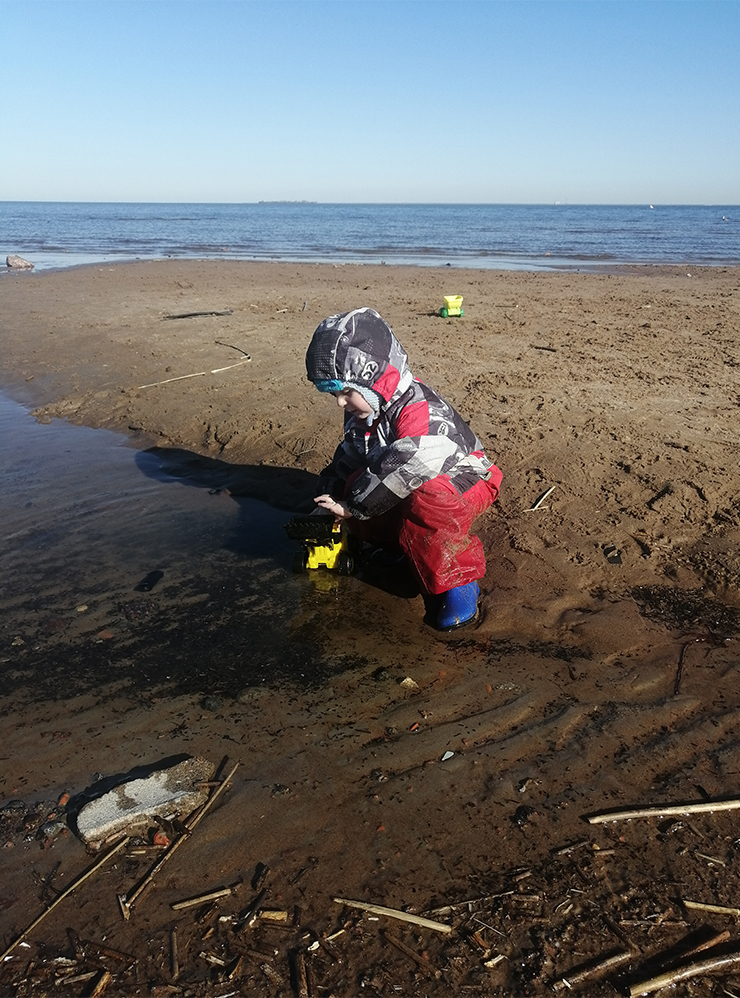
[[458, 606]]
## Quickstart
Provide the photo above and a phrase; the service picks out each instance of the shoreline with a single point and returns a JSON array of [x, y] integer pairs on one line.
[[535, 265]]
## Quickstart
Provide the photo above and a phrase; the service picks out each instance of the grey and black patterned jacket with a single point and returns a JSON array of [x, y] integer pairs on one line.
[[417, 435]]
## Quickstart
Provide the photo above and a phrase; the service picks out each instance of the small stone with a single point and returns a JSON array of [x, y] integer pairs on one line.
[[409, 684], [523, 814], [14, 262], [17, 642], [81, 608]]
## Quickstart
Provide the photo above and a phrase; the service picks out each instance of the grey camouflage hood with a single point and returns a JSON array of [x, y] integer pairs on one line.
[[359, 348]]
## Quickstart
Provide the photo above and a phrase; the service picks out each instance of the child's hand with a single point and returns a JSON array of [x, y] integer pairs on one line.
[[339, 509]]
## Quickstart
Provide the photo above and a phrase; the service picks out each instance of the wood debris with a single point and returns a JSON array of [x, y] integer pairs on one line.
[[403, 916], [701, 967], [197, 315], [592, 972], [72, 887], [126, 902], [665, 810]]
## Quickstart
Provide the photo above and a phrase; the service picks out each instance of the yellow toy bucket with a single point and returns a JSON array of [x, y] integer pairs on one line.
[[452, 306]]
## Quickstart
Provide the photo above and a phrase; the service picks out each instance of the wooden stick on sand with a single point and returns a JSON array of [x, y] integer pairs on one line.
[[127, 903], [402, 916], [421, 962], [726, 962], [541, 499], [716, 909], [591, 971], [198, 374], [663, 810], [73, 886], [202, 898]]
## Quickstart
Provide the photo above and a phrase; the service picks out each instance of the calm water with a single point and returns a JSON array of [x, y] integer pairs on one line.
[[85, 517], [58, 234]]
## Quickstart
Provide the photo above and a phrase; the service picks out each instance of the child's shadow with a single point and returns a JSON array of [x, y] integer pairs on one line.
[[263, 494], [259, 531]]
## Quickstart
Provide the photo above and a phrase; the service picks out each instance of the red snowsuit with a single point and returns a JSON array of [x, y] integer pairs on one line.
[[416, 477], [431, 526]]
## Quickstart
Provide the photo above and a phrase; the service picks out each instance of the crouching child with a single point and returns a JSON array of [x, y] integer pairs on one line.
[[410, 476]]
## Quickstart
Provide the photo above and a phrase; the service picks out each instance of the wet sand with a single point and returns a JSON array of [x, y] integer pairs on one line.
[[603, 673]]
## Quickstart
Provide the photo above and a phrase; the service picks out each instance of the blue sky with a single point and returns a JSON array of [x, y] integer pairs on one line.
[[367, 100]]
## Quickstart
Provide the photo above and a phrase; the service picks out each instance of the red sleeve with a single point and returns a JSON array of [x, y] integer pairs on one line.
[[413, 420]]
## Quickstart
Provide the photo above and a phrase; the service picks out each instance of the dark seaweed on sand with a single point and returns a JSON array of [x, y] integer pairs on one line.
[[687, 610]]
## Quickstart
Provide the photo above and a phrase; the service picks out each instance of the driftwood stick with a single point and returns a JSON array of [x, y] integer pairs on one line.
[[114, 954], [174, 962], [76, 978], [231, 346], [662, 810], [127, 903], [684, 973], [250, 915], [299, 974], [195, 819], [402, 916], [679, 669], [541, 499], [198, 374], [717, 909], [167, 381], [467, 906], [421, 962], [105, 978], [592, 971], [73, 886], [202, 898], [716, 940], [197, 315], [244, 360]]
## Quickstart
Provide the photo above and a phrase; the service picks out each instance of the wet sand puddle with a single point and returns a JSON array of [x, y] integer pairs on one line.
[[99, 539], [378, 760]]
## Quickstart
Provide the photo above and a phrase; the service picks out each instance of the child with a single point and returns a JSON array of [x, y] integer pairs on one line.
[[409, 474]]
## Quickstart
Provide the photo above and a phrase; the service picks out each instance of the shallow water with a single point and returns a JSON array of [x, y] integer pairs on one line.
[[78, 504], [86, 517]]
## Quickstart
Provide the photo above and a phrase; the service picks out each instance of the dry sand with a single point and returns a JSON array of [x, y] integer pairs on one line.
[[619, 389]]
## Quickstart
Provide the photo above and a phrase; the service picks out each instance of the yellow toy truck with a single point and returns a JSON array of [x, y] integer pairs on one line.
[[452, 306], [324, 544]]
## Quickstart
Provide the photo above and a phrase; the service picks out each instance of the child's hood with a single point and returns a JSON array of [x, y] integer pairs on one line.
[[359, 347]]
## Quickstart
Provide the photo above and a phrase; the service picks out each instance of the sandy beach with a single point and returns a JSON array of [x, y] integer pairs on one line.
[[603, 672]]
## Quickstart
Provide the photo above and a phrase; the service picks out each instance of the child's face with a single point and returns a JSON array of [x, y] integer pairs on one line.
[[353, 402]]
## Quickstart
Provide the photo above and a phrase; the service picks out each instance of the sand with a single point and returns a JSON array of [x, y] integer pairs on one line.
[[617, 390]]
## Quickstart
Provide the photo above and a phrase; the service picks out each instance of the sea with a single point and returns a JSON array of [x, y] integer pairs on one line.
[[494, 236]]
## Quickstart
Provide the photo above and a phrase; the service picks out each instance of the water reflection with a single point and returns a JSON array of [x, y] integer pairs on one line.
[[86, 517]]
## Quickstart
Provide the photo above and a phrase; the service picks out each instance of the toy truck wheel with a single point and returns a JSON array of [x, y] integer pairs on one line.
[[345, 564], [443, 313], [300, 562], [462, 312]]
